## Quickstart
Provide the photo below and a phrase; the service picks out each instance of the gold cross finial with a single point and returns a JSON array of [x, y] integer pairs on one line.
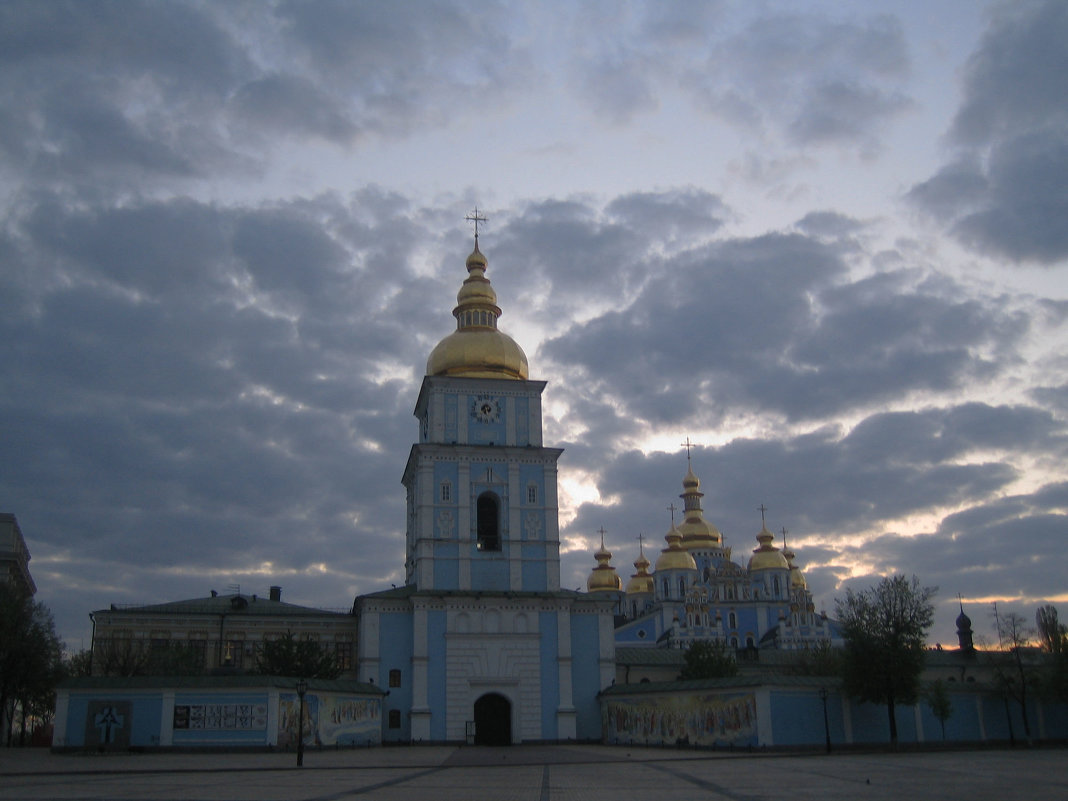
[[476, 218], [671, 508], [601, 531], [762, 509], [687, 445]]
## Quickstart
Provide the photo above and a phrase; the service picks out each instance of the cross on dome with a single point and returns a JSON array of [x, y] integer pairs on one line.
[[476, 218]]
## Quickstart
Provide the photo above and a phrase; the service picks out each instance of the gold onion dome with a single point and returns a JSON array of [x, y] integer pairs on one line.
[[640, 582], [603, 578], [697, 533], [674, 557], [476, 349], [797, 578], [767, 556]]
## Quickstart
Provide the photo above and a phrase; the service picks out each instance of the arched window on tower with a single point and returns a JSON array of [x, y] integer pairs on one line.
[[682, 586], [733, 620], [487, 509], [776, 590], [667, 588]]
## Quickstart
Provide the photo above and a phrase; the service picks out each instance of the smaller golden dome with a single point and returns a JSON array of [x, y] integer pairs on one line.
[[675, 557], [603, 578], [767, 556], [640, 582], [797, 578]]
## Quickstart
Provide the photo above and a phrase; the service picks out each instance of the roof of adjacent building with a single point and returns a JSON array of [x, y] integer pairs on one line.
[[237, 681], [234, 604]]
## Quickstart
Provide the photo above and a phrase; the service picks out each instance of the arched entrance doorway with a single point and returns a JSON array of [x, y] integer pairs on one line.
[[493, 720]]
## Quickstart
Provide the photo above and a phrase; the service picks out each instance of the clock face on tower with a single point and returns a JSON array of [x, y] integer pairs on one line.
[[485, 409]]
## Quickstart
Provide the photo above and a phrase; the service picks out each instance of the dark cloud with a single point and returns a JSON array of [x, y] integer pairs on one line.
[[1014, 80], [763, 324], [1005, 194]]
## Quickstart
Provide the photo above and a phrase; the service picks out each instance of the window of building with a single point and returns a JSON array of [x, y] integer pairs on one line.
[[775, 586], [394, 678], [667, 588], [532, 493], [732, 620], [446, 492], [734, 642], [343, 650], [394, 718], [682, 586], [487, 510]]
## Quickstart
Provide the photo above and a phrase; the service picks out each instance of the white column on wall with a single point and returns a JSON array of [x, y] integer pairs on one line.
[[166, 719], [420, 704], [765, 731], [515, 530], [59, 725], [847, 717], [463, 521], [273, 699], [566, 725]]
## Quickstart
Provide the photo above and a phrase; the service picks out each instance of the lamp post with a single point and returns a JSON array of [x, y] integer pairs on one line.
[[826, 724], [302, 687]]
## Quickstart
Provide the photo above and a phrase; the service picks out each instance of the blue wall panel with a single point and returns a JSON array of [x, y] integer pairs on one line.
[[585, 675], [395, 652], [436, 693]]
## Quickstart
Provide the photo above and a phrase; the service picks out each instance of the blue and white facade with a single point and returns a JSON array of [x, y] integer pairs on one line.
[[698, 592], [481, 644]]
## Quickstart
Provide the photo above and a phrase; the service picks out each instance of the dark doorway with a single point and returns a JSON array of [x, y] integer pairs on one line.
[[493, 720]]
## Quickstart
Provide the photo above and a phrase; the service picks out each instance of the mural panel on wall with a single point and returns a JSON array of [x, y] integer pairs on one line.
[[696, 719], [328, 719]]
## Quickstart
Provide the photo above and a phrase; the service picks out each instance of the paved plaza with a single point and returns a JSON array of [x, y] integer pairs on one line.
[[536, 773]]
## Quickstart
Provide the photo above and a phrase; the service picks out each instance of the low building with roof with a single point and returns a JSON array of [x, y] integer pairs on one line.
[[219, 632]]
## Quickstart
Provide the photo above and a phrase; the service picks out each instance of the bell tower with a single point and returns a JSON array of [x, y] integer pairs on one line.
[[481, 488]]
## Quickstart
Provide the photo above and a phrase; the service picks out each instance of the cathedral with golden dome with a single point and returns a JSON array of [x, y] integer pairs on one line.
[[696, 591]]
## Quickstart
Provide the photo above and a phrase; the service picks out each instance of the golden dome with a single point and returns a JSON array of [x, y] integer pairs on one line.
[[797, 578], [640, 582], [767, 556], [476, 349], [697, 533], [603, 578], [675, 557]]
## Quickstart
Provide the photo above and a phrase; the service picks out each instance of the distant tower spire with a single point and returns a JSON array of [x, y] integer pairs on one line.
[[784, 533]]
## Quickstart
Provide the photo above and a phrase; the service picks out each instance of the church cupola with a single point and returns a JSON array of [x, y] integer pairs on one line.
[[697, 533], [476, 349], [603, 578]]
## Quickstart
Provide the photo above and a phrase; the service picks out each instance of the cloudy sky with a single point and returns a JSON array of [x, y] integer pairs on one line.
[[827, 242]]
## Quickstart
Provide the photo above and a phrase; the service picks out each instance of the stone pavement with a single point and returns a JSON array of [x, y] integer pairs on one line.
[[537, 773]]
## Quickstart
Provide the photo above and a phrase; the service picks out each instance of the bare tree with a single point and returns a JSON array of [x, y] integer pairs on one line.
[[1013, 635]]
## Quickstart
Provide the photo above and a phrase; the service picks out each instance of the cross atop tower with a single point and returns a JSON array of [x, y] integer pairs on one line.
[[762, 509], [784, 533], [688, 445], [476, 218], [671, 508], [641, 543], [602, 532]]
